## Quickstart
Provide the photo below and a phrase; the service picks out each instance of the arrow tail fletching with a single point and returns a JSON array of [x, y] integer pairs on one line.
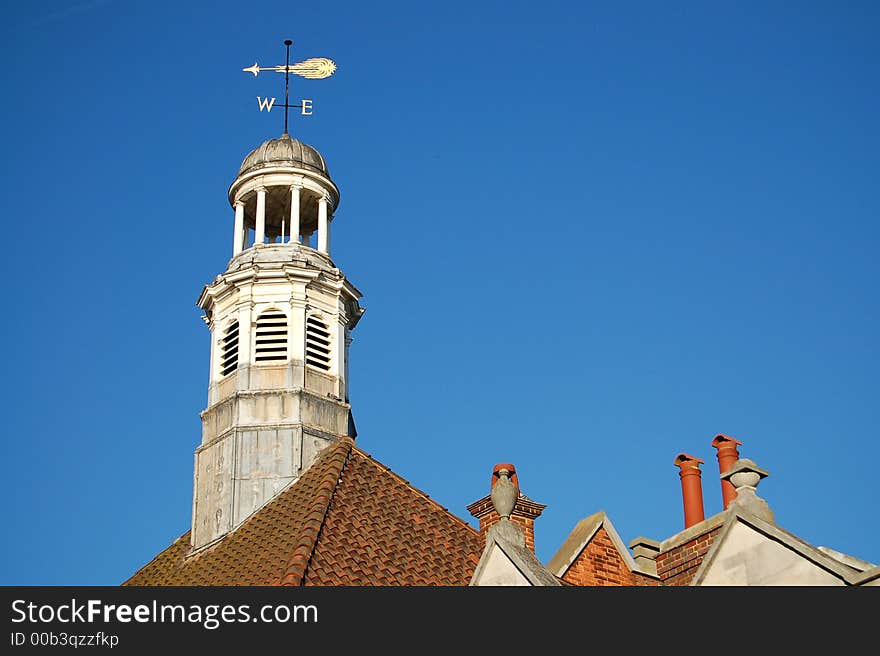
[[315, 68]]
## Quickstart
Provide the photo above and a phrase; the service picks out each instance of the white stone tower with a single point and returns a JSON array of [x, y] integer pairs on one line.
[[281, 317]]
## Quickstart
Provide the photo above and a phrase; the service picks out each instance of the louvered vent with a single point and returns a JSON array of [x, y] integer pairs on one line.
[[271, 337], [229, 350], [317, 344]]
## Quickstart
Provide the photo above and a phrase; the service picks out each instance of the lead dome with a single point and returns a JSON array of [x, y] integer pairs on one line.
[[284, 151]]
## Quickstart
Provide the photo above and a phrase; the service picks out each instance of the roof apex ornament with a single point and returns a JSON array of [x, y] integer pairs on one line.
[[745, 476], [505, 491]]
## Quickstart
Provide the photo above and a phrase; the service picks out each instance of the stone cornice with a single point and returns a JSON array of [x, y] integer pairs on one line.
[[269, 393], [353, 291], [299, 274], [284, 176], [355, 318], [524, 507]]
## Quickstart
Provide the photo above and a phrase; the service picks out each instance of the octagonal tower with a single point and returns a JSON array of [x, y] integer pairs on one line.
[[280, 317]]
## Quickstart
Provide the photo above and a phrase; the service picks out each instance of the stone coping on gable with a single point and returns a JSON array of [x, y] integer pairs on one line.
[[694, 531]]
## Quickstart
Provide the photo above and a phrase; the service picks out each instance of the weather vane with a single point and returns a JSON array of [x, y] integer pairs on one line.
[[314, 68]]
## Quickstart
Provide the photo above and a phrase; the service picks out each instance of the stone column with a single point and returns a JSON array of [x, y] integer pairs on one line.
[[337, 350], [296, 335], [294, 211], [347, 388], [238, 231], [260, 230], [329, 231], [323, 236], [245, 339], [212, 359]]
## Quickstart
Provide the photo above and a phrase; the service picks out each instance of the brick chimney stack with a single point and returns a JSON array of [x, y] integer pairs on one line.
[[524, 513], [691, 488], [727, 455]]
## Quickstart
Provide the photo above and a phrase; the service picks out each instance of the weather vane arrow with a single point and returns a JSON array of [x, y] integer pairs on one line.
[[314, 68]]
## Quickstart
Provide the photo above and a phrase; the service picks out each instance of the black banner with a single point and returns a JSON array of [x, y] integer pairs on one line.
[[134, 620]]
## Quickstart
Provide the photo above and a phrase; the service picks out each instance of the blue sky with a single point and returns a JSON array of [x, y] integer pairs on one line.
[[590, 236]]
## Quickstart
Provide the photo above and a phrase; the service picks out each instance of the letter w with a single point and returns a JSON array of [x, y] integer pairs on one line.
[[265, 103]]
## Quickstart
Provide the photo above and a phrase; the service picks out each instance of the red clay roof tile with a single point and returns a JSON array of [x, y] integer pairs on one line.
[[348, 520]]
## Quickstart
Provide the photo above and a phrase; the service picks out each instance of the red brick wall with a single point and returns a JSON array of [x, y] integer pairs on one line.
[[678, 566], [641, 579], [525, 523], [600, 564]]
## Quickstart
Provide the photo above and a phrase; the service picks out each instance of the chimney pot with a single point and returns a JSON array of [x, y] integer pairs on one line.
[[511, 470], [727, 455], [691, 487]]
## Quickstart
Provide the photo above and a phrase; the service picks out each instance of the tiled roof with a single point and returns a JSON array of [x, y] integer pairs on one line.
[[348, 520]]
